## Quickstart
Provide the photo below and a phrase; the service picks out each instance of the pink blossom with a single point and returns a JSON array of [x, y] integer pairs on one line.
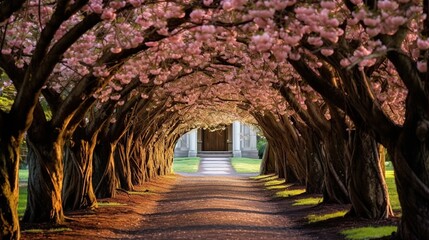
[[6, 51], [423, 44], [207, 2], [373, 31], [387, 5], [197, 15], [262, 42], [356, 2], [372, 22], [328, 4], [115, 49], [345, 62], [261, 13], [327, 51], [108, 14], [135, 3], [315, 41], [422, 66], [96, 8]]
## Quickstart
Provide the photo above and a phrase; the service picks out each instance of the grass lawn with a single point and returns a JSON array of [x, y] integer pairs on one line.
[[186, 165], [22, 201], [391, 185], [23, 175], [246, 165], [368, 232]]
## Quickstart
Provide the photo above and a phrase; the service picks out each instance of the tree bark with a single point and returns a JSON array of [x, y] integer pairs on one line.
[[411, 161], [267, 163], [78, 191], [314, 171], [44, 202], [367, 186], [9, 191], [137, 165], [122, 163], [104, 179], [335, 169]]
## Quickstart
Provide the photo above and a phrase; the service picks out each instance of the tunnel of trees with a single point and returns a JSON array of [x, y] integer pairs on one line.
[[102, 90]]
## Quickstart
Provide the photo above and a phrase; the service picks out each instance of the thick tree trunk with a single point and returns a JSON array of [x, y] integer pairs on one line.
[[122, 164], [44, 202], [9, 164], [314, 173], [78, 191], [104, 179], [137, 164], [367, 186], [411, 161], [268, 161], [335, 169]]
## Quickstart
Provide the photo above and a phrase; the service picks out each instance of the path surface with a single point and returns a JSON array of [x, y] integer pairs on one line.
[[216, 208], [217, 204]]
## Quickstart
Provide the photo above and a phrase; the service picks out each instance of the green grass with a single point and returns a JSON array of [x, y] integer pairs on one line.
[[312, 218], [308, 201], [393, 194], [246, 165], [186, 165], [22, 201], [23, 175], [368, 232]]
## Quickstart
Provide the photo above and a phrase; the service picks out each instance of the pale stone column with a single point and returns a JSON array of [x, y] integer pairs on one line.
[[193, 143], [252, 139], [236, 149]]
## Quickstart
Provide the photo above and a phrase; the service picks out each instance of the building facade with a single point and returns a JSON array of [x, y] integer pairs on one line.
[[238, 139]]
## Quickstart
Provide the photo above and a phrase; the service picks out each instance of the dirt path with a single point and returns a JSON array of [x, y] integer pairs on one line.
[[216, 208]]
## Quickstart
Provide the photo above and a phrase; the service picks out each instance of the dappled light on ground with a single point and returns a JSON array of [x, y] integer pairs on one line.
[[313, 218], [369, 232]]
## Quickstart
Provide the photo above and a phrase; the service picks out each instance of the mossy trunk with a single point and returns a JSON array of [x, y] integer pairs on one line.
[[45, 181], [367, 186], [9, 191]]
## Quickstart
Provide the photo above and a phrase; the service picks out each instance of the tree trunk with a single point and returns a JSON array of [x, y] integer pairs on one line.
[[44, 203], [314, 173], [367, 186], [122, 164], [78, 191], [335, 169], [104, 179], [137, 161], [9, 191], [411, 161], [268, 161]]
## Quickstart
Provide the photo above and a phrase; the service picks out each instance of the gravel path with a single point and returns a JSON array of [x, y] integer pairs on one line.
[[216, 207]]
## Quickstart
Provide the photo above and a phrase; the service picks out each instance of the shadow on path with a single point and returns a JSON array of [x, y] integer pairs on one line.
[[215, 207]]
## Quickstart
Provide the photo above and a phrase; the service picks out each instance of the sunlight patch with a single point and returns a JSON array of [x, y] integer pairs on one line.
[[308, 201], [312, 218], [369, 232], [289, 193]]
